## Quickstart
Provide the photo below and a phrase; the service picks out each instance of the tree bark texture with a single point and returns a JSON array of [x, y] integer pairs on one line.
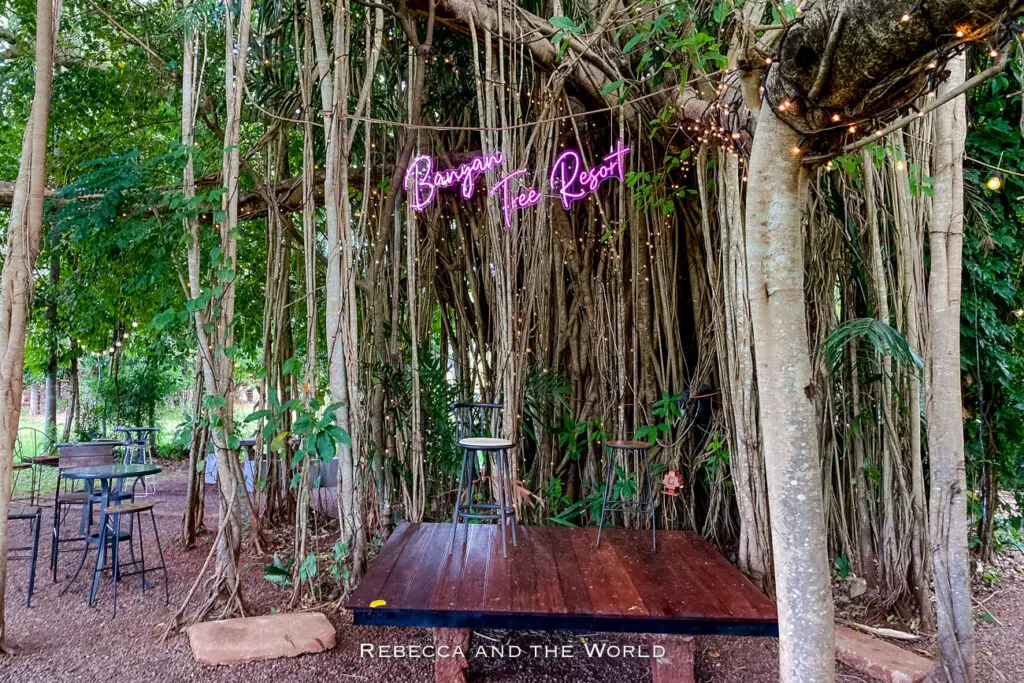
[[948, 499], [23, 233], [775, 201]]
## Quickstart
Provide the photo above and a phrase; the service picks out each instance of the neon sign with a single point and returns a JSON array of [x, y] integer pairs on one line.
[[569, 179], [574, 182]]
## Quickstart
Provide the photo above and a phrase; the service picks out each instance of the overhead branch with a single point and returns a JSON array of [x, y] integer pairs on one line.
[[863, 62], [840, 62]]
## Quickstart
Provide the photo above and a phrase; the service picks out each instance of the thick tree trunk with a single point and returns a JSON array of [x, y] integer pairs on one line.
[[775, 202], [23, 231], [948, 500]]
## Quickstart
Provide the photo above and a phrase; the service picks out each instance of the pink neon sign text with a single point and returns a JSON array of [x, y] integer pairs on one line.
[[512, 201], [569, 178], [573, 181], [422, 182]]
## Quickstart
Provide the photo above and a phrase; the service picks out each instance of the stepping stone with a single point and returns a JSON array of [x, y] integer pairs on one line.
[[234, 641], [879, 659]]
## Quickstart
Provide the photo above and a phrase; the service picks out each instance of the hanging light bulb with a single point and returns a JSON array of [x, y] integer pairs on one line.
[[994, 183]]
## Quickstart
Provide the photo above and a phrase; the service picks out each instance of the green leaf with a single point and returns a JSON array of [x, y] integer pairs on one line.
[[612, 87], [291, 366], [875, 334], [211, 401], [563, 23], [633, 42]]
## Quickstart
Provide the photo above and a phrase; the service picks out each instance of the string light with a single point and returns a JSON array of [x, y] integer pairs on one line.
[[905, 18], [994, 183], [899, 165], [835, 117]]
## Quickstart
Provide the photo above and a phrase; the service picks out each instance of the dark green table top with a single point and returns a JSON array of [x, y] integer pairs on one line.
[[118, 471]]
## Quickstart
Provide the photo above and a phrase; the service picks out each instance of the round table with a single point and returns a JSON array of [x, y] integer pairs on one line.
[[136, 434], [106, 475], [136, 442]]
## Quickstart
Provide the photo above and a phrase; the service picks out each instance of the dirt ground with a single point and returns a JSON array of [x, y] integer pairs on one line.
[[61, 639]]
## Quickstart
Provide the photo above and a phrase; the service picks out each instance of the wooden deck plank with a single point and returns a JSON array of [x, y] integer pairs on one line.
[[604, 597], [618, 579], [526, 595], [446, 588], [648, 573], [700, 562], [570, 579], [405, 578], [556, 579], [728, 580], [373, 583], [688, 574], [478, 553], [421, 591], [498, 581], [547, 596]]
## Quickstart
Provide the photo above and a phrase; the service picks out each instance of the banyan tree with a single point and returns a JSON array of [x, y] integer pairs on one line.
[[704, 224]]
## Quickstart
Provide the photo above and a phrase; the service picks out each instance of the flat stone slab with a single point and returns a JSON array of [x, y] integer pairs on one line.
[[879, 659], [234, 641]]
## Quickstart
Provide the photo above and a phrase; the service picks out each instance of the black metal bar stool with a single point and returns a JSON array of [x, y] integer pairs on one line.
[[35, 514], [472, 419], [116, 535], [635, 506], [20, 468]]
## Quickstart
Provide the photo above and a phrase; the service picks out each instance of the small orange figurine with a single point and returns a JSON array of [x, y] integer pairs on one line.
[[672, 482]]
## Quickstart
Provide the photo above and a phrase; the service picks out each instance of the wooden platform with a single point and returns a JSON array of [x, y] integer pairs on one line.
[[555, 579]]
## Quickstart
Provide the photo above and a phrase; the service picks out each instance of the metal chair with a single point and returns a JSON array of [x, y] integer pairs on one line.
[[475, 427], [29, 447], [645, 507], [64, 499], [35, 514], [115, 535], [140, 450], [19, 469]]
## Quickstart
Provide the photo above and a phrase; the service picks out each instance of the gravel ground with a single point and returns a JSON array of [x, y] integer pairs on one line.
[[61, 639]]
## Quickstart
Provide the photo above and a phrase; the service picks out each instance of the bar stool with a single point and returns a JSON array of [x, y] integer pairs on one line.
[[20, 468], [35, 514], [635, 506], [67, 498], [472, 418], [115, 535]]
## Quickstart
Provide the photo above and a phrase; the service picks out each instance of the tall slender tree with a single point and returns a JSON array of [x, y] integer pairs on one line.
[[948, 499], [23, 234]]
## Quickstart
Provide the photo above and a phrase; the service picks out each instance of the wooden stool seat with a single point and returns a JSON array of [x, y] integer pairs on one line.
[[484, 443], [127, 508], [629, 445], [73, 498], [23, 511]]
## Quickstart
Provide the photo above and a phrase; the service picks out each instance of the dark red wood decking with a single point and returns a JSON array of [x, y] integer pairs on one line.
[[555, 579]]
